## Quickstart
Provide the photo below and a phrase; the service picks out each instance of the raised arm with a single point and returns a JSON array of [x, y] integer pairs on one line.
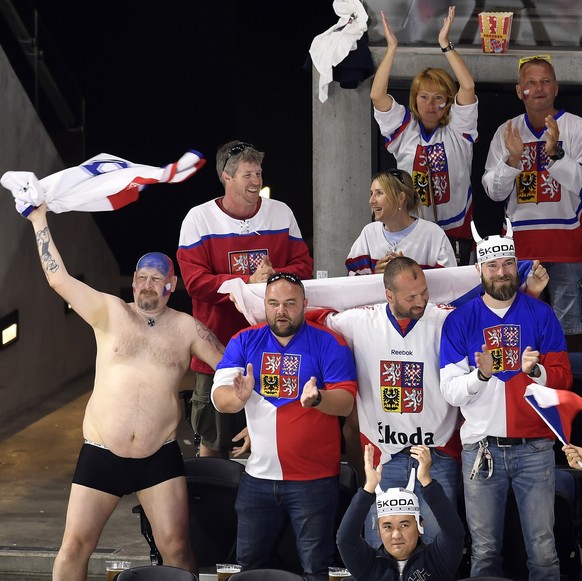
[[466, 94], [88, 303], [378, 93]]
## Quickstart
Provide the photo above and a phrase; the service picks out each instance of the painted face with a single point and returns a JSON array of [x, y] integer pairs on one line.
[[431, 104], [409, 297], [499, 278], [399, 534], [151, 289], [284, 308], [382, 206], [244, 187], [537, 86]]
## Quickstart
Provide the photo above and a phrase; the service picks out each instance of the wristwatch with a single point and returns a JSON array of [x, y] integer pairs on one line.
[[535, 370], [449, 47], [317, 400], [558, 153]]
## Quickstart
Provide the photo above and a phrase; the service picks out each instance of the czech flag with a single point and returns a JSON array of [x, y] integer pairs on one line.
[[557, 407], [104, 182]]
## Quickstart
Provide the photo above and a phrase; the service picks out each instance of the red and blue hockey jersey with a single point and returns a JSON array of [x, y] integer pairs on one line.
[[497, 407], [290, 442]]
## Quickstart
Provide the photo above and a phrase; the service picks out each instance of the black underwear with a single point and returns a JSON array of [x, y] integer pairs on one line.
[[99, 468]]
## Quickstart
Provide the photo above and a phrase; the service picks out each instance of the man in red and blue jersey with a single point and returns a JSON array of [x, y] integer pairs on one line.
[[292, 378]]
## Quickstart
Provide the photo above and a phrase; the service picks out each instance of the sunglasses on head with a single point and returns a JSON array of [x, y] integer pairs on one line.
[[396, 173], [288, 276], [235, 150], [537, 57]]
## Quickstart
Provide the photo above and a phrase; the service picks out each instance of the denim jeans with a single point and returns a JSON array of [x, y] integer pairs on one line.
[[263, 507], [529, 470], [395, 474]]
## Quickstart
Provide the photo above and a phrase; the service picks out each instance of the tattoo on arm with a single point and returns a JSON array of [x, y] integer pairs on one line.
[[205, 333], [43, 241]]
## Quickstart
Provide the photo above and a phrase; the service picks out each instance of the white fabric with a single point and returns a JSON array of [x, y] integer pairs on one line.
[[93, 185], [345, 292], [331, 47]]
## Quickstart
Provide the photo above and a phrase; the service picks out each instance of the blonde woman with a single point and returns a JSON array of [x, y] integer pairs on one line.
[[397, 231], [433, 138]]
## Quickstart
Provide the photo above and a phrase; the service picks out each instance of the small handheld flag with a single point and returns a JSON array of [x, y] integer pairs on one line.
[[557, 407]]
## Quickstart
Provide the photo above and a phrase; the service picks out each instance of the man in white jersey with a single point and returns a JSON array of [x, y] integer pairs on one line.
[[534, 167], [399, 404]]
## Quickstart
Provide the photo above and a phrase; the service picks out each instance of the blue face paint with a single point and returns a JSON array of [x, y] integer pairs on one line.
[[156, 260]]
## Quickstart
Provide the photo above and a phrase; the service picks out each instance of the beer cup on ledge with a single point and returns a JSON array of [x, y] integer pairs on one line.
[[225, 570], [338, 573], [115, 567]]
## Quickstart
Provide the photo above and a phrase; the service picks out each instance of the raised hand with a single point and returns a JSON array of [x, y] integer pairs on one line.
[[446, 29], [373, 475], [244, 384]]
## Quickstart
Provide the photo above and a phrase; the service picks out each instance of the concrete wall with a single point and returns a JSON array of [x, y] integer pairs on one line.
[[342, 140], [54, 348]]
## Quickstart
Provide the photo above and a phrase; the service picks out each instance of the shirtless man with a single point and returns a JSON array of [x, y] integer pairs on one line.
[[143, 350]]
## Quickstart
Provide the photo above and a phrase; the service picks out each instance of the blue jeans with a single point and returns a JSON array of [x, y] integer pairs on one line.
[[263, 507], [395, 474], [529, 470]]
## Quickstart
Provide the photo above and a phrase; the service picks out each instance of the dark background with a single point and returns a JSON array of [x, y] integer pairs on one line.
[[161, 78]]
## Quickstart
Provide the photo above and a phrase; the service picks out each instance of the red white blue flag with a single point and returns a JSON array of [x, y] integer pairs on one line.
[[104, 182], [557, 407]]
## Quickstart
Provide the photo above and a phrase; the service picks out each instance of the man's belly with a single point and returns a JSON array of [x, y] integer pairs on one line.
[[133, 425]]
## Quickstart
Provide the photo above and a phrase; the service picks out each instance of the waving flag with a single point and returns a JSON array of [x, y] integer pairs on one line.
[[556, 407], [104, 182]]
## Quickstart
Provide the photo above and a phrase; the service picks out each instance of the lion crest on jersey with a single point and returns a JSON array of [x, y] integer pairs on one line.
[[503, 341], [401, 386], [280, 375]]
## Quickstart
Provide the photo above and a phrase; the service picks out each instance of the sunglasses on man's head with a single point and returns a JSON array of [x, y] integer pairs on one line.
[[528, 59], [288, 276], [235, 150]]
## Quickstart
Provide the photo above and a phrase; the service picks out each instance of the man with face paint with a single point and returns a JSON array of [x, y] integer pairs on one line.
[[143, 350], [533, 166], [492, 347], [238, 235]]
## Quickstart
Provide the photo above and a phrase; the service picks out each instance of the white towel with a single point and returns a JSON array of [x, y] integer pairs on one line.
[[331, 47]]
